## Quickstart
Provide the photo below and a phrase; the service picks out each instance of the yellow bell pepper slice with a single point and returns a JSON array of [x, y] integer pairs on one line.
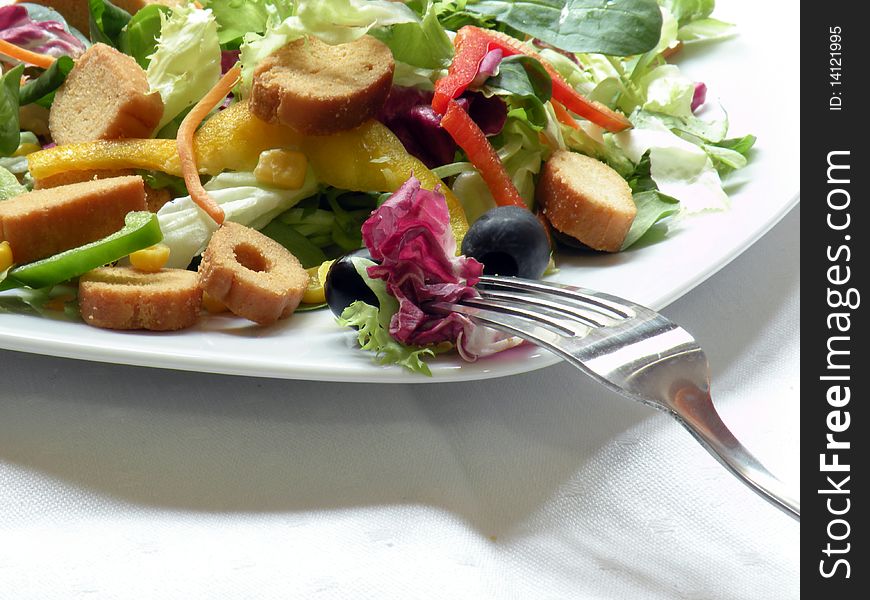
[[371, 157], [232, 139], [368, 158]]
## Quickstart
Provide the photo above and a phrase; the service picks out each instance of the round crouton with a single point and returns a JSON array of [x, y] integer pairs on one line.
[[252, 274], [586, 199], [318, 88], [124, 298]]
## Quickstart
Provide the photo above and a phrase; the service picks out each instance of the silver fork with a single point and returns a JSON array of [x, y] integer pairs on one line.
[[629, 348]]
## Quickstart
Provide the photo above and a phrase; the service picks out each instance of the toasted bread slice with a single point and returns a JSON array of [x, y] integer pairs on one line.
[[318, 89], [154, 198], [105, 97], [586, 199], [44, 222], [255, 276], [124, 298]]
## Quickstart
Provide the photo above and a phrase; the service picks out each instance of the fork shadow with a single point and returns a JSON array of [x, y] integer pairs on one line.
[[489, 452]]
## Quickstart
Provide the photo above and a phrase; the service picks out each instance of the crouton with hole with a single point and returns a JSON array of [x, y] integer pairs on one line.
[[252, 274], [124, 298], [318, 89], [105, 97], [41, 223], [586, 199]]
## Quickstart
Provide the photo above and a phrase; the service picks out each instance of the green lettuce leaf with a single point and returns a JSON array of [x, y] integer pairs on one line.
[[705, 30], [235, 18], [9, 185], [187, 61], [374, 337], [187, 229], [652, 207], [424, 44], [139, 37], [686, 11]]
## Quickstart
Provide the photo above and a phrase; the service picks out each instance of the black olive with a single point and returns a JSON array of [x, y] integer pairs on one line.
[[343, 286], [510, 241]]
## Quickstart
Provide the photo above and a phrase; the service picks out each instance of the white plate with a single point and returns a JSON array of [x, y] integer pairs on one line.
[[756, 75]]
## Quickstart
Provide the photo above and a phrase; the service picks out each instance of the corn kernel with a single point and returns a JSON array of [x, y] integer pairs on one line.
[[212, 304], [6, 259], [150, 259], [314, 293], [281, 168]]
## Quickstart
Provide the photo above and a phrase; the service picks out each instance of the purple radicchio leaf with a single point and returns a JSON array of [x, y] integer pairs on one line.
[[699, 97], [410, 116], [410, 235], [44, 37]]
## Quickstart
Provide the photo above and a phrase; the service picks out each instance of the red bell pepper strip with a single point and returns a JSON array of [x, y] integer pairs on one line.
[[482, 155], [474, 37], [470, 50]]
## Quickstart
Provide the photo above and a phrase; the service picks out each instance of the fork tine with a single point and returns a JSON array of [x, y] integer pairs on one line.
[[583, 313], [523, 315], [611, 306], [548, 337]]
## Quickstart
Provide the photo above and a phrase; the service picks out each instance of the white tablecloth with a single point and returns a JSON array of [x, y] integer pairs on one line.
[[123, 482]]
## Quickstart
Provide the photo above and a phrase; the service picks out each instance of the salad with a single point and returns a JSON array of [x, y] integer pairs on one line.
[[364, 157]]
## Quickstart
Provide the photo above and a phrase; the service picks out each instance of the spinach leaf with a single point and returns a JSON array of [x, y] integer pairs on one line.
[[9, 125], [652, 207], [106, 21], [527, 84], [139, 36], [42, 88], [614, 27]]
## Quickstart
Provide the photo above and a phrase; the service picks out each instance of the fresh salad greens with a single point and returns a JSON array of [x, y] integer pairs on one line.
[[586, 76]]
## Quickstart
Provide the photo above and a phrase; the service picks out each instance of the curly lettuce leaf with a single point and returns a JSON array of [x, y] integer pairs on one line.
[[424, 44], [187, 61], [372, 336]]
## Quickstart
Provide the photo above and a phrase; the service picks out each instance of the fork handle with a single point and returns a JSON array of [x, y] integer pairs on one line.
[[694, 409]]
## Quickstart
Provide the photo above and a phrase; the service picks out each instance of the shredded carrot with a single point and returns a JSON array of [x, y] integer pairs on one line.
[[563, 115], [26, 56], [186, 153]]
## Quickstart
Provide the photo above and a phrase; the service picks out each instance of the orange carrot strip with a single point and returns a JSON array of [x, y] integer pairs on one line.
[[26, 56], [563, 115], [186, 153]]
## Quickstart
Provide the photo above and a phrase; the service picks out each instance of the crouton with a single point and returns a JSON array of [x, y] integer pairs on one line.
[[124, 298], [318, 89], [255, 276], [68, 177], [76, 11], [105, 97], [44, 222], [154, 198], [586, 199]]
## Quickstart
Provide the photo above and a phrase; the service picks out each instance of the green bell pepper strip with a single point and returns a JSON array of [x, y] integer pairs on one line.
[[141, 230]]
